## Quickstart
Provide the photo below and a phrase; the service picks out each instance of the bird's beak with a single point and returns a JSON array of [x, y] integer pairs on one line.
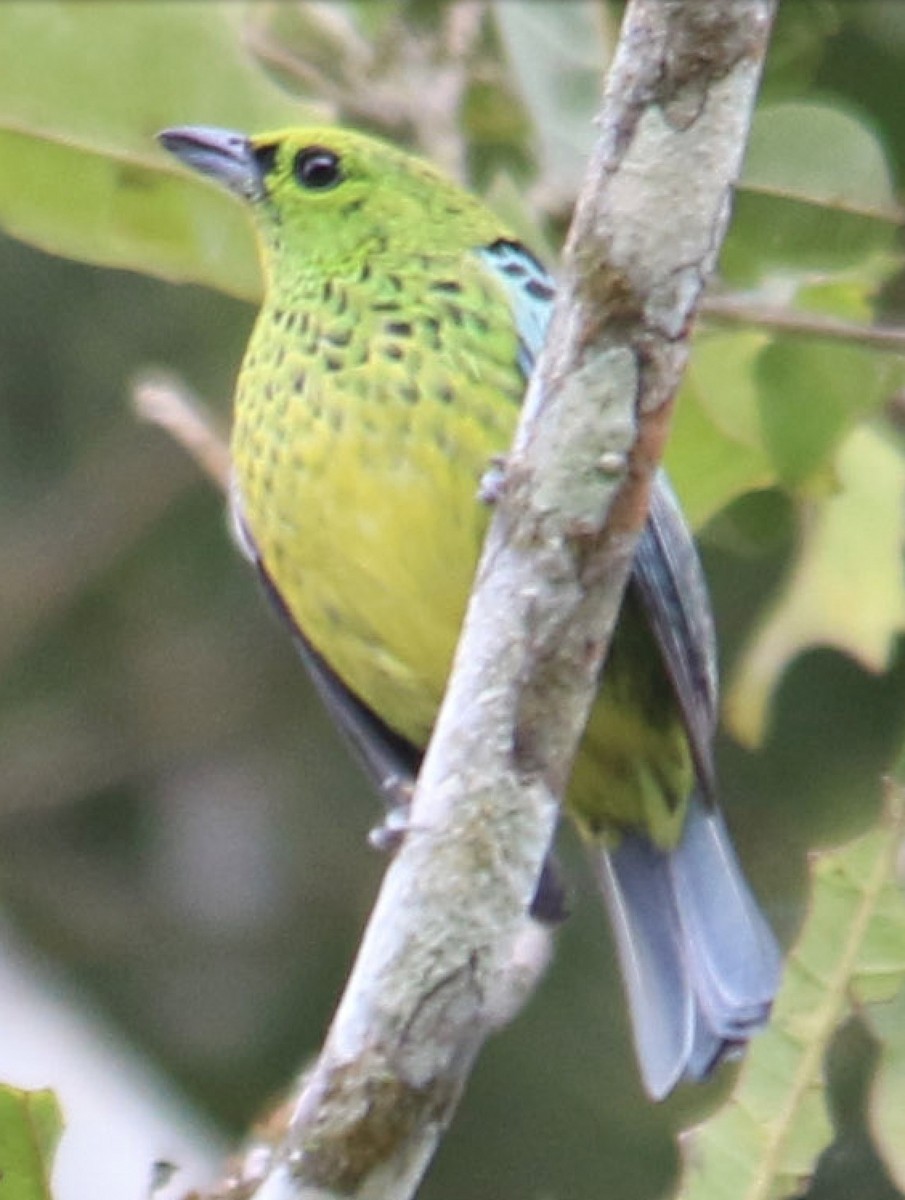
[[221, 154]]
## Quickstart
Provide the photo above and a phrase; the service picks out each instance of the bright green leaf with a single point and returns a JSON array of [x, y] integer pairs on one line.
[[79, 171], [722, 374], [106, 210], [113, 74], [714, 454], [845, 588], [30, 1127], [763, 1144]]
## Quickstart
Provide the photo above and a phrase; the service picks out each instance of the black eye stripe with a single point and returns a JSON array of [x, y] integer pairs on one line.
[[317, 168], [265, 157]]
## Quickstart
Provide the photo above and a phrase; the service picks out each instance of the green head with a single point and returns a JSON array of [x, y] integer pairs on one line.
[[324, 198]]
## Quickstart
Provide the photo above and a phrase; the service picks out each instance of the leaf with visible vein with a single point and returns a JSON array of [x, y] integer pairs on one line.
[[80, 174], [764, 1143]]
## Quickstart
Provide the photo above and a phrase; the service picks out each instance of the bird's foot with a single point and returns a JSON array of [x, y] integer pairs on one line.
[[389, 835], [493, 481]]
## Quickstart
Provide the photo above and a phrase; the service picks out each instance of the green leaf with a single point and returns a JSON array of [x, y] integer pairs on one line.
[[80, 173], [845, 587], [763, 1144], [30, 1127], [886, 1109], [821, 154], [886, 1022], [100, 208], [714, 453], [850, 296], [811, 393], [816, 193]]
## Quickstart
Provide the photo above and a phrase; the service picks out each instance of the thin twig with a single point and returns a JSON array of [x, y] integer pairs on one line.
[[166, 401], [730, 311]]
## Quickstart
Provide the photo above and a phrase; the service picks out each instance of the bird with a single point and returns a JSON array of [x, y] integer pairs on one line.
[[400, 323]]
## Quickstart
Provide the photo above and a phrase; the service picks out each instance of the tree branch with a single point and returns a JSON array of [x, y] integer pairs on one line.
[[441, 963]]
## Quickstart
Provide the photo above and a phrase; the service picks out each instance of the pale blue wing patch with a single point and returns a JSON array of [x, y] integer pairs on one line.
[[529, 288]]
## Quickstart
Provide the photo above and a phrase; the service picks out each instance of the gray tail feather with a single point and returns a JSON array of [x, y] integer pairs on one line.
[[699, 962]]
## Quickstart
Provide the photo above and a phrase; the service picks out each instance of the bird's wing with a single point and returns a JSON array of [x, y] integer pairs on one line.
[[668, 576], [667, 573]]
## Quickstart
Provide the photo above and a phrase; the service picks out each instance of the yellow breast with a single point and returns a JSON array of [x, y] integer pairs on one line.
[[364, 421]]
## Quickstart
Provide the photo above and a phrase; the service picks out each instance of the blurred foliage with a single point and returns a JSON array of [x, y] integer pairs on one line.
[[180, 824], [849, 957], [77, 160], [30, 1127]]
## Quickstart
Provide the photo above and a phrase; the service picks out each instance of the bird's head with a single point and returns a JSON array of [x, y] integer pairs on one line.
[[324, 197]]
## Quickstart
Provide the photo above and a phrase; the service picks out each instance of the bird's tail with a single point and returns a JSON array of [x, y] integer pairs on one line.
[[699, 962]]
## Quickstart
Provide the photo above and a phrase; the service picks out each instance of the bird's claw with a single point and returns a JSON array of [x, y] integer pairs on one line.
[[388, 836], [493, 481]]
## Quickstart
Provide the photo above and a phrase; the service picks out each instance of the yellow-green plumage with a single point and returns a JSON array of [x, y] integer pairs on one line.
[[358, 468], [385, 371], [376, 389]]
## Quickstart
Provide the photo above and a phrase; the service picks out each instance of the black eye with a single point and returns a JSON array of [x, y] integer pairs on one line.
[[317, 169]]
